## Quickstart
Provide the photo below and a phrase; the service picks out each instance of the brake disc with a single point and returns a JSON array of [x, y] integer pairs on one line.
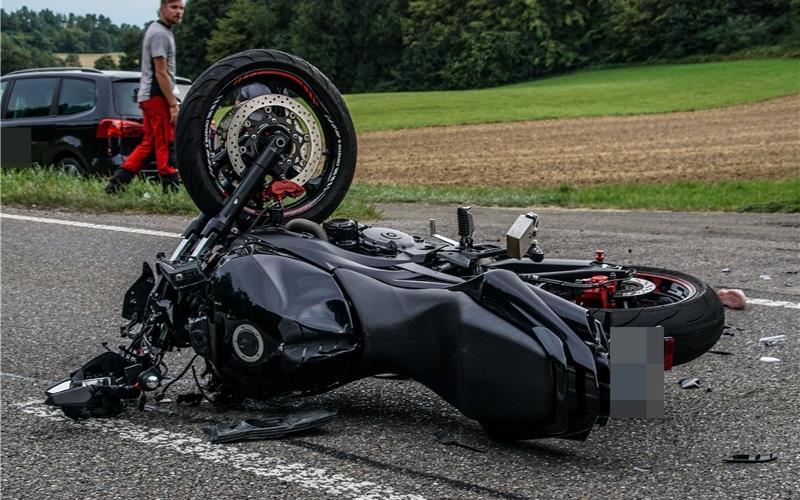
[[634, 287], [245, 127]]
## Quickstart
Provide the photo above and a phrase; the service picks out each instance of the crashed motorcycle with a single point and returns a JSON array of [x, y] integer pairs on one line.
[[276, 299]]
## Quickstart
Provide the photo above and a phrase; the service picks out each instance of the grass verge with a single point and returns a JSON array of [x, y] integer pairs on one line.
[[617, 91], [44, 188], [741, 196]]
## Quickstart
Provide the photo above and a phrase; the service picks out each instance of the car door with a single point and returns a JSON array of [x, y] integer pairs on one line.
[[31, 105], [74, 128]]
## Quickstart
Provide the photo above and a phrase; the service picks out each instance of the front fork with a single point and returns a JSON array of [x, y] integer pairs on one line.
[[98, 387]]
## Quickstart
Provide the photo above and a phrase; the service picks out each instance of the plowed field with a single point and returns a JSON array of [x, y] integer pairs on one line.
[[753, 141]]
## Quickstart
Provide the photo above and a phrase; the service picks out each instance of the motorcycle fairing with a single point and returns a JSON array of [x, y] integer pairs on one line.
[[489, 368], [300, 315]]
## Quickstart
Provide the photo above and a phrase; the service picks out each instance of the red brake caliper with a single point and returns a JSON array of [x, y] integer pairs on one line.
[[280, 189], [599, 296]]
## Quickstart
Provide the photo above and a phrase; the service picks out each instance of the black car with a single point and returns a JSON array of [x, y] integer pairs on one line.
[[79, 119]]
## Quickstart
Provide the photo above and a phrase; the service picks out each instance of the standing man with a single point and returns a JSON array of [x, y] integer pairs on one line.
[[157, 99]]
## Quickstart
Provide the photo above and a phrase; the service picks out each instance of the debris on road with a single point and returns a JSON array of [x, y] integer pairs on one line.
[[751, 459], [269, 428], [767, 359], [771, 341], [448, 439], [726, 270], [765, 277], [689, 383], [722, 353], [191, 399], [732, 298]]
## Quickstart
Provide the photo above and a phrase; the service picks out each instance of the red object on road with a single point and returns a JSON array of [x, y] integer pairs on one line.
[[732, 298]]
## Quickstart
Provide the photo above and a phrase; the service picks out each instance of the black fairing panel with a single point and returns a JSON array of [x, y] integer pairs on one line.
[[489, 368], [301, 316]]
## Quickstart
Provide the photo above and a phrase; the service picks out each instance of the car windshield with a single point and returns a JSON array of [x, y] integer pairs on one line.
[[126, 92]]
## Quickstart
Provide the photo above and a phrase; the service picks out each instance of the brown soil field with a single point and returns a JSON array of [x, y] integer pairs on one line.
[[753, 141]]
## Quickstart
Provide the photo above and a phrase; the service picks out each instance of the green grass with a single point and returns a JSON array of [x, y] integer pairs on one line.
[[44, 188], [742, 196], [619, 91]]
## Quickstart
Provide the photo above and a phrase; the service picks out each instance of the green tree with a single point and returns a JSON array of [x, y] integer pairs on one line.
[[453, 44], [193, 34], [99, 41], [132, 48], [17, 55], [357, 43], [249, 24], [105, 62], [70, 61]]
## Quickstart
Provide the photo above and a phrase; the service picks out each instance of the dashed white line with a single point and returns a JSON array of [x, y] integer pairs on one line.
[[774, 303], [89, 225], [759, 302], [320, 480]]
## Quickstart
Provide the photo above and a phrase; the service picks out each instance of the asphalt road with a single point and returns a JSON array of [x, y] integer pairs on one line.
[[62, 288]]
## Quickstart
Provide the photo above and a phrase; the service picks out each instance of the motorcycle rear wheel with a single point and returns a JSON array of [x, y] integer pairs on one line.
[[689, 311], [313, 102]]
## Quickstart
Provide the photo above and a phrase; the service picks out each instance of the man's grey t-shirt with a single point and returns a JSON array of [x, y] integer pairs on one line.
[[158, 42]]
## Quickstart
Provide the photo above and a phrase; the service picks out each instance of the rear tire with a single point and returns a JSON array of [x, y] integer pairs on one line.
[[297, 79], [70, 165], [696, 323]]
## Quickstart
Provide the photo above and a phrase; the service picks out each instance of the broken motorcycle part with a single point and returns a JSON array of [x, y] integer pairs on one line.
[[269, 428]]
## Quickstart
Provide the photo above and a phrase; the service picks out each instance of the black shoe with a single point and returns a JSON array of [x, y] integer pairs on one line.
[[170, 183], [118, 181]]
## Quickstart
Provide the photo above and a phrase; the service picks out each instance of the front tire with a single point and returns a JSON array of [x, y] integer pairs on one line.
[[210, 181]]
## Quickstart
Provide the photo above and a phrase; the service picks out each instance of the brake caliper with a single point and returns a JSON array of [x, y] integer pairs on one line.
[[599, 296]]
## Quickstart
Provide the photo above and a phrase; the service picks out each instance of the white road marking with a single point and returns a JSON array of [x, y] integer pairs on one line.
[[89, 225], [260, 464], [774, 303], [759, 302]]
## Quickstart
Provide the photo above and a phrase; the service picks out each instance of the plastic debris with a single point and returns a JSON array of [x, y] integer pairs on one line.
[[448, 439], [191, 399], [767, 359], [751, 459], [726, 270], [765, 277], [770, 341], [689, 383], [269, 428], [732, 298]]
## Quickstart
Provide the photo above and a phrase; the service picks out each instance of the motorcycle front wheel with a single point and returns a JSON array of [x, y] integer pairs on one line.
[[231, 110]]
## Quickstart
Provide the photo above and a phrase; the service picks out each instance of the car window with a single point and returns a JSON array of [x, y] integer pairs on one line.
[[125, 98], [76, 96], [31, 97], [2, 88], [183, 89], [126, 93]]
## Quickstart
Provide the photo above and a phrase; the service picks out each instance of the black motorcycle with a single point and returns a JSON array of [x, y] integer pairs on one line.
[[275, 302]]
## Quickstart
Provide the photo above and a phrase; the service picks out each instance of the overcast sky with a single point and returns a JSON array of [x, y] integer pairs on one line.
[[135, 12]]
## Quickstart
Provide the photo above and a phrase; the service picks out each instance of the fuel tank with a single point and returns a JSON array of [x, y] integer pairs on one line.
[[278, 324]]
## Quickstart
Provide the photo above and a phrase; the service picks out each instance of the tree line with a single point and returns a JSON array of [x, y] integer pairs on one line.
[[376, 45], [31, 38]]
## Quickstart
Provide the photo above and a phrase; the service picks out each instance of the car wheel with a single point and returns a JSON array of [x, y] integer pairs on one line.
[[70, 165]]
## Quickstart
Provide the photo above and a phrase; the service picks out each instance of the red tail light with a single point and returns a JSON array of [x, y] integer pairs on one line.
[[111, 127], [669, 350]]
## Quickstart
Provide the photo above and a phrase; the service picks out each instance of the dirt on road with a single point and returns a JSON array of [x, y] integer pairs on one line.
[[753, 141]]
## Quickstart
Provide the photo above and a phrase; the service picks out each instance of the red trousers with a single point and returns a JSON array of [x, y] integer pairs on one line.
[[158, 134]]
